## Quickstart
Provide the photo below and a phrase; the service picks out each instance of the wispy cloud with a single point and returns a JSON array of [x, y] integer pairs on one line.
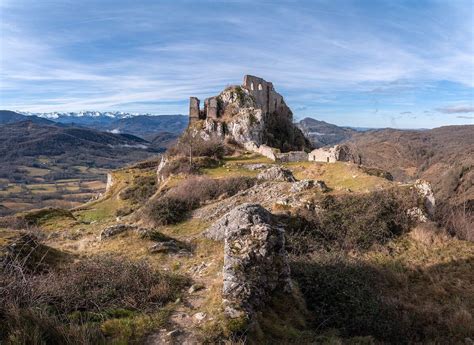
[[457, 109], [146, 55]]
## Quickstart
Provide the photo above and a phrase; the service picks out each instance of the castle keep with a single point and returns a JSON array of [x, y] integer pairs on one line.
[[265, 96]]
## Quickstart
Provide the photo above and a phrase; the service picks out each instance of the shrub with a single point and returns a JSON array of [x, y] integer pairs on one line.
[[167, 210], [197, 190], [346, 295], [351, 222], [67, 305], [190, 194], [181, 165], [142, 188], [191, 144], [457, 220]]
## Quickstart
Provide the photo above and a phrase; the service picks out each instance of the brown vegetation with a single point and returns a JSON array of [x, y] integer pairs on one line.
[[173, 207], [78, 303]]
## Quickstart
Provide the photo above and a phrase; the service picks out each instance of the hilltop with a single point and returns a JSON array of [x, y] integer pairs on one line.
[[221, 241]]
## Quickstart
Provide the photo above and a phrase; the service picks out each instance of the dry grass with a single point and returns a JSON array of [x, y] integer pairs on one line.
[[339, 176], [84, 302]]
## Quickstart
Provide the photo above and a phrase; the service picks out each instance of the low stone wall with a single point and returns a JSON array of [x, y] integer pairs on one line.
[[292, 156], [264, 150]]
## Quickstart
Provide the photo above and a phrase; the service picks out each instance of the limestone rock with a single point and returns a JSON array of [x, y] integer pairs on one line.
[[115, 230], [256, 166], [302, 185], [199, 316], [255, 259], [277, 173], [417, 214], [110, 182], [252, 112], [424, 190], [243, 215], [165, 247]]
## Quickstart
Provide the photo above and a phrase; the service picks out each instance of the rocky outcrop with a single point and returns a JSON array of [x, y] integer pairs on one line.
[[302, 185], [115, 230], [426, 193], [110, 182], [255, 260], [251, 113], [277, 173]]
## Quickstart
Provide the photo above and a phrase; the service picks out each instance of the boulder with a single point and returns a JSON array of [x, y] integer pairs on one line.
[[277, 173], [242, 216], [115, 230], [165, 247], [426, 193], [302, 185], [256, 166], [255, 259]]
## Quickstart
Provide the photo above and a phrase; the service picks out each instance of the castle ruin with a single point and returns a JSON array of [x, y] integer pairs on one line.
[[265, 96]]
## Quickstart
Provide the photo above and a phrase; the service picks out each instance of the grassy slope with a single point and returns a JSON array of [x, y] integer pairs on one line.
[[433, 273]]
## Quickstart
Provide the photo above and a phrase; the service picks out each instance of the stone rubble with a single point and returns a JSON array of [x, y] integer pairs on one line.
[[277, 173]]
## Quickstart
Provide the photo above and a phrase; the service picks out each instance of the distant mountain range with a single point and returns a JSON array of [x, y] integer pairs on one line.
[[146, 126]]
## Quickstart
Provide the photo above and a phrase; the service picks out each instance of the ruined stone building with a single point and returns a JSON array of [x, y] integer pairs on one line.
[[263, 93], [330, 154]]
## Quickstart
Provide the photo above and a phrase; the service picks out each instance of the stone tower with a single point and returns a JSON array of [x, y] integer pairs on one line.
[[194, 111]]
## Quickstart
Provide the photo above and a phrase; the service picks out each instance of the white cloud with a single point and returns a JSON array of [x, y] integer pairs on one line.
[[173, 52]]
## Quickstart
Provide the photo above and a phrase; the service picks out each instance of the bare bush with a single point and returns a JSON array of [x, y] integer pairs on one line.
[[193, 145], [58, 307], [190, 194], [181, 165], [201, 189], [351, 222], [457, 220]]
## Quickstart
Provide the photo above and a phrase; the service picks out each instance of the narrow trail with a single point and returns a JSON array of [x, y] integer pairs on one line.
[[188, 315]]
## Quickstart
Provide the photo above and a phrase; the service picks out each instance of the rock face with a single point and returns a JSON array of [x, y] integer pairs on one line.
[[255, 260], [110, 182], [277, 173], [251, 113], [424, 190]]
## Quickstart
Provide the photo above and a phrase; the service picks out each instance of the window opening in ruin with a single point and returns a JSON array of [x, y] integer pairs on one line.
[[260, 87], [251, 86], [327, 159]]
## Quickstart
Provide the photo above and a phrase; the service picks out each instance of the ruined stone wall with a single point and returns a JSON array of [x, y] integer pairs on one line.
[[211, 108], [264, 94], [194, 110], [327, 155], [337, 153], [292, 156]]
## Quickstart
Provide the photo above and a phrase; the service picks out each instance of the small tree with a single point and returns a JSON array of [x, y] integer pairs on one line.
[[187, 143]]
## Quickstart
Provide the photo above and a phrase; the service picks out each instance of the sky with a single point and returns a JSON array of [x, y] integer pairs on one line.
[[401, 64]]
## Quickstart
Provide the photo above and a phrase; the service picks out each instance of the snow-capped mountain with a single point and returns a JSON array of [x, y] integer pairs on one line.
[[143, 125], [93, 114]]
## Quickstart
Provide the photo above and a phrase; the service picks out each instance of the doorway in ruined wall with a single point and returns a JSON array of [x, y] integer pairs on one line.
[[327, 159]]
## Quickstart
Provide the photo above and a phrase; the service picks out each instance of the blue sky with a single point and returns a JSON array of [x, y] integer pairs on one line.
[[403, 64]]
